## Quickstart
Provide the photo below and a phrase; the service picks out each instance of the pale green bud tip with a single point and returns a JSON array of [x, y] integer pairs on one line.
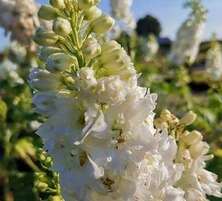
[[47, 12], [86, 4], [60, 62], [191, 138], [102, 24], [60, 4], [62, 27], [45, 38], [188, 119], [92, 13], [45, 52]]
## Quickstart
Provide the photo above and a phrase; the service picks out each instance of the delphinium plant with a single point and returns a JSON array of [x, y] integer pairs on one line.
[[99, 128]]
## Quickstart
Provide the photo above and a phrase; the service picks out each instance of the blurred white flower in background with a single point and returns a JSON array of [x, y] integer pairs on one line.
[[214, 60], [189, 36], [121, 11]]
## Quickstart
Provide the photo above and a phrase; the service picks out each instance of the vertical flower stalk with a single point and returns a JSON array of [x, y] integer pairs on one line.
[[99, 128], [188, 38], [19, 18], [214, 60], [121, 10]]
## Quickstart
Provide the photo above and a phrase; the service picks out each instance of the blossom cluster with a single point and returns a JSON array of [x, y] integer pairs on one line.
[[188, 38], [100, 129]]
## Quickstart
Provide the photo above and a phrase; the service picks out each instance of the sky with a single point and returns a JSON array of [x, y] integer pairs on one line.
[[169, 12]]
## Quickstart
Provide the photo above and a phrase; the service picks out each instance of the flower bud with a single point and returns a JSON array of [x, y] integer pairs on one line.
[[45, 38], [60, 62], [60, 4], [62, 27], [102, 24], [92, 13], [47, 12], [91, 48], [188, 119], [43, 80], [45, 52], [191, 138], [86, 4], [199, 149]]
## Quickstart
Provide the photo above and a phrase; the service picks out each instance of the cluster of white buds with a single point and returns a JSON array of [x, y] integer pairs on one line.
[[100, 130], [189, 36], [121, 10], [214, 60], [195, 181]]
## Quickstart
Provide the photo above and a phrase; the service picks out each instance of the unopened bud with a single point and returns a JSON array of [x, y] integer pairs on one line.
[[92, 13], [62, 27], [55, 198], [45, 52], [60, 4], [91, 48], [47, 12], [191, 138], [199, 149], [86, 4], [102, 24], [43, 80], [45, 38], [188, 119], [60, 62]]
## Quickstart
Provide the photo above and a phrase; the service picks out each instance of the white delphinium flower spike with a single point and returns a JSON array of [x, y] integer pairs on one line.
[[214, 61], [121, 10], [19, 18], [100, 130], [186, 46]]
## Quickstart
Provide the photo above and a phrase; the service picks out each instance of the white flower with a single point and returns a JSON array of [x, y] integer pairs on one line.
[[186, 46], [214, 61], [121, 10]]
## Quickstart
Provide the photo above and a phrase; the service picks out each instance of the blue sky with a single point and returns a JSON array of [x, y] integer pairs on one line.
[[170, 13]]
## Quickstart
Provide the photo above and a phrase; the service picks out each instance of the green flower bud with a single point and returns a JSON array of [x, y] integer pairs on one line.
[[62, 27], [3, 110], [47, 12], [43, 80], [188, 119], [91, 48], [45, 38], [86, 4], [45, 52], [60, 62], [102, 24], [92, 13], [191, 138], [60, 4], [55, 198]]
